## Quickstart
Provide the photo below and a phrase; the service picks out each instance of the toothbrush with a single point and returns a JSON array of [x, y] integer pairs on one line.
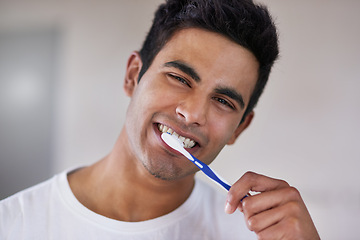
[[176, 144]]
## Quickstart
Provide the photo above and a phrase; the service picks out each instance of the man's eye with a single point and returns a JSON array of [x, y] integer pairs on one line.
[[180, 79], [224, 102]]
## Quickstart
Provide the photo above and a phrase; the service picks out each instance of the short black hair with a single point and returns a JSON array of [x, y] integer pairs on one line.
[[244, 22]]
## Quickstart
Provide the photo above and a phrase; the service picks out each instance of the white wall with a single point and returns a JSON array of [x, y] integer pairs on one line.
[[305, 129]]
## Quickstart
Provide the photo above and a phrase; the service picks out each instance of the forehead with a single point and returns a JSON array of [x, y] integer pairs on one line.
[[216, 59]]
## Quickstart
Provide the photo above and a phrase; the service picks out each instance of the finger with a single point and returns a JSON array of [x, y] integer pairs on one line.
[[268, 200], [266, 219], [289, 227], [250, 181], [259, 183], [275, 231]]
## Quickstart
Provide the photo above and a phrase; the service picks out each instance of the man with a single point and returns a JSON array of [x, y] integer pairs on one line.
[[198, 76]]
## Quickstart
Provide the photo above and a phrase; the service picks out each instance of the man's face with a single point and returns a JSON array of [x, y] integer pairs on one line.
[[199, 85]]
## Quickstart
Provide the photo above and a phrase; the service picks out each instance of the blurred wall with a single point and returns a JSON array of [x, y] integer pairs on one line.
[[306, 123], [27, 84]]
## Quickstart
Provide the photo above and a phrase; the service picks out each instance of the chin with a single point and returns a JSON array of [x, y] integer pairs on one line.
[[167, 173]]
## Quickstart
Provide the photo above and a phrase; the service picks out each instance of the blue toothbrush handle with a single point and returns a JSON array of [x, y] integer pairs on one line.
[[210, 173]]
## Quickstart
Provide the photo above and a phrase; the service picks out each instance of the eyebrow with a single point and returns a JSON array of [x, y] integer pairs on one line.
[[227, 91], [184, 68], [231, 93]]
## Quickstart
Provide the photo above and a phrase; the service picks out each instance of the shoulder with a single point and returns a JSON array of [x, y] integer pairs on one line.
[[35, 195], [28, 194], [24, 206], [15, 204]]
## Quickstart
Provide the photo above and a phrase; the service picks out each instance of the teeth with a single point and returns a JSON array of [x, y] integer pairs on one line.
[[188, 143], [165, 128]]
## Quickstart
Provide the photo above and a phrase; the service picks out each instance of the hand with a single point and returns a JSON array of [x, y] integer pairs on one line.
[[278, 212]]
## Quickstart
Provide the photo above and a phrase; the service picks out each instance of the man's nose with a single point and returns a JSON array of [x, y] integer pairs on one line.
[[193, 110]]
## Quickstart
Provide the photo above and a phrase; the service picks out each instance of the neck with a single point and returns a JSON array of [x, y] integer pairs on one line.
[[119, 187]]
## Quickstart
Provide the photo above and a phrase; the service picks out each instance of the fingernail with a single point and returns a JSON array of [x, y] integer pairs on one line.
[[227, 208]]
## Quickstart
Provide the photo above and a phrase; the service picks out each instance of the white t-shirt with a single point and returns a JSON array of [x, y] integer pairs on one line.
[[50, 210]]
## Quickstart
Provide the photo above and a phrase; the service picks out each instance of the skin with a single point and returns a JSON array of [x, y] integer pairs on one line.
[[142, 178]]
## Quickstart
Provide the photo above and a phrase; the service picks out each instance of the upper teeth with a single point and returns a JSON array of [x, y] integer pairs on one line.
[[188, 143]]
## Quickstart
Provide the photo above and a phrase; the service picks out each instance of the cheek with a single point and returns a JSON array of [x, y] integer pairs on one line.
[[220, 133], [152, 87], [223, 127], [159, 95], [152, 95], [221, 136]]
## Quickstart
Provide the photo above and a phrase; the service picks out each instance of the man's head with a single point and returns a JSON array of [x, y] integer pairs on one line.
[[241, 21], [202, 68]]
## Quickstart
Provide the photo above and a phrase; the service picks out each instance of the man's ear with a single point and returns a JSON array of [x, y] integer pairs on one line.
[[133, 68], [242, 126]]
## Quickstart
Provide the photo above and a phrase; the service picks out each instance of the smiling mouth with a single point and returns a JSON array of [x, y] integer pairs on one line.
[[188, 143]]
